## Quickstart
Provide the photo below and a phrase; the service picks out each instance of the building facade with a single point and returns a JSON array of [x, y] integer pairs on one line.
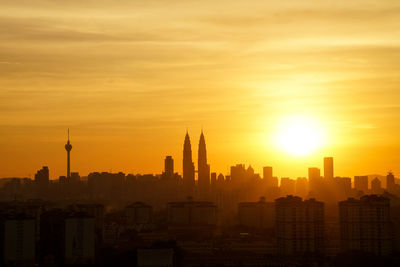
[[299, 225]]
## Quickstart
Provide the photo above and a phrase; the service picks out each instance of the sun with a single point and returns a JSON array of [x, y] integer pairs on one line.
[[299, 135]]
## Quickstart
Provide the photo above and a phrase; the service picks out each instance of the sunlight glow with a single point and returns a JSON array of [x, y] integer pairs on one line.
[[299, 135]]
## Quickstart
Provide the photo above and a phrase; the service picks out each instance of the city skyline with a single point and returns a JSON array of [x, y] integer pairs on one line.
[[202, 170], [128, 82], [200, 133]]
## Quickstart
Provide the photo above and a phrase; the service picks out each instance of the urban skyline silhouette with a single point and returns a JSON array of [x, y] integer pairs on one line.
[[199, 133]]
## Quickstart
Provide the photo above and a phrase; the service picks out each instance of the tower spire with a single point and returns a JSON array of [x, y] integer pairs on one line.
[[68, 147]]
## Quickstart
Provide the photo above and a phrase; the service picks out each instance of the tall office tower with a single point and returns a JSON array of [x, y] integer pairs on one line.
[[238, 174], [361, 183], [267, 176], [204, 170], [42, 176], [169, 167], [328, 168], [365, 225], [314, 179], [299, 225], [376, 186], [188, 167], [390, 183], [68, 147], [17, 239]]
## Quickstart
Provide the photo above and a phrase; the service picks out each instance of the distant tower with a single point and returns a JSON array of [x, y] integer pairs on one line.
[[169, 167], [204, 169], [328, 168], [68, 147], [188, 167], [390, 182]]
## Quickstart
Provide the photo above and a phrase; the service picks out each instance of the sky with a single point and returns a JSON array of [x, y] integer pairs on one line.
[[129, 77]]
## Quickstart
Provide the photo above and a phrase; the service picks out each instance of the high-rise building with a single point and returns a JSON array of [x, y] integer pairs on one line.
[[203, 170], [365, 225], [376, 186], [192, 217], [314, 179], [17, 240], [68, 147], [299, 225], [139, 216], [188, 167], [257, 215], [390, 182], [42, 176], [361, 183], [238, 174], [69, 237], [169, 166], [328, 168], [267, 176]]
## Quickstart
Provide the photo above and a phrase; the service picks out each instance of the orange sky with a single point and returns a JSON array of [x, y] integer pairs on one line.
[[128, 77]]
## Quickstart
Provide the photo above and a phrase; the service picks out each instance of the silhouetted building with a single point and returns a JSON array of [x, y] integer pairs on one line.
[[365, 225], [68, 147], [268, 176], [75, 177], [328, 168], [17, 240], [314, 179], [376, 186], [361, 183], [257, 215], [192, 217], [69, 237], [42, 176], [139, 216], [341, 187], [93, 210], [238, 174], [299, 225], [188, 167], [169, 167], [390, 182], [204, 170]]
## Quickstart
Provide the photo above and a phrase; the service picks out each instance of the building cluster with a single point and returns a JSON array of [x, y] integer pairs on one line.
[[213, 219], [54, 233]]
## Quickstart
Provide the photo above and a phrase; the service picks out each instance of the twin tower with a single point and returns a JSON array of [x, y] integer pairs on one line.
[[203, 180]]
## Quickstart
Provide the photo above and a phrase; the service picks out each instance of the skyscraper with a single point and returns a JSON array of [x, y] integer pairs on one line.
[[299, 225], [314, 179], [68, 147], [203, 169], [267, 176], [365, 225], [390, 182], [328, 168], [169, 166], [188, 167]]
